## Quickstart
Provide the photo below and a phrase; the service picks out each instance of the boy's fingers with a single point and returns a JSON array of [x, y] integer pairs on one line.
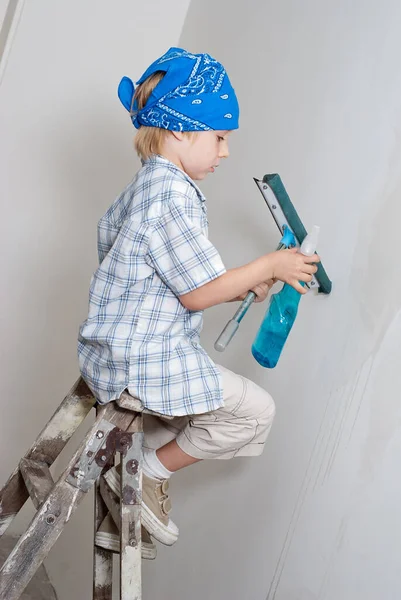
[[259, 290], [297, 286], [306, 277], [265, 284], [312, 259], [310, 269]]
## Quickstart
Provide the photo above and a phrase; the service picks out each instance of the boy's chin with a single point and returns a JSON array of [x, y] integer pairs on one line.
[[201, 176], [198, 176]]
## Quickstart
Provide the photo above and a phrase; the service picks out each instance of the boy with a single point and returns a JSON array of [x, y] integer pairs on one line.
[[158, 272]]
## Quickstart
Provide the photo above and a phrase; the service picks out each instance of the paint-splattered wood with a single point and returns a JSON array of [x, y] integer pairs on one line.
[[102, 559], [45, 528], [130, 511], [111, 501], [37, 478], [39, 588], [63, 424], [131, 403]]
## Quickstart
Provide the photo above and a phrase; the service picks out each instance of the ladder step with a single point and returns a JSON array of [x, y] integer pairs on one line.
[[37, 478], [50, 442]]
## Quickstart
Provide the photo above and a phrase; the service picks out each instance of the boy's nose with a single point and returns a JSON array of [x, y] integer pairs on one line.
[[224, 153]]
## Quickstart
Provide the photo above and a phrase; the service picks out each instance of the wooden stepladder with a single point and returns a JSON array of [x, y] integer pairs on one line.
[[118, 428]]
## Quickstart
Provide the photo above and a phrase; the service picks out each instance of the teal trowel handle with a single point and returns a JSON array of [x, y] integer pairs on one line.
[[230, 329]]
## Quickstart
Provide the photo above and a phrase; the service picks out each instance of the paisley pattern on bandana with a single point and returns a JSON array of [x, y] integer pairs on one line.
[[195, 94]]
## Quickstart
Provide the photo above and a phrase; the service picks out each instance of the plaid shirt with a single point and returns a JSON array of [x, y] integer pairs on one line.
[[153, 248]]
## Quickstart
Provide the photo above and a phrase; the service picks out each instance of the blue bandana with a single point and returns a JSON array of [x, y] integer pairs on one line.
[[195, 94]]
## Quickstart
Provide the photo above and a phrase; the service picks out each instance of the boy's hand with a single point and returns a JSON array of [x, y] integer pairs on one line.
[[290, 266], [261, 291]]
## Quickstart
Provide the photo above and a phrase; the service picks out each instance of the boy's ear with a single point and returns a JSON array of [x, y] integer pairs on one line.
[[179, 135]]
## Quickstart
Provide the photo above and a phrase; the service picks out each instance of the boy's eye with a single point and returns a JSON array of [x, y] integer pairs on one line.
[[221, 139]]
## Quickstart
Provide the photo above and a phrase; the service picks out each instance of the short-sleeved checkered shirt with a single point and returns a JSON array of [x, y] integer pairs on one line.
[[153, 248]]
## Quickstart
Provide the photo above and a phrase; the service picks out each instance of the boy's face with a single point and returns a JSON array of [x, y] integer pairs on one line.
[[203, 153]]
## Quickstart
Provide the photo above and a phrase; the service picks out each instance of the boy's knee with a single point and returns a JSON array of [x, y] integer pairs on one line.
[[266, 407], [257, 404]]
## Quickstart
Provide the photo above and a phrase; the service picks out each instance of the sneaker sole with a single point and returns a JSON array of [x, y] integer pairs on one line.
[[155, 527], [111, 542]]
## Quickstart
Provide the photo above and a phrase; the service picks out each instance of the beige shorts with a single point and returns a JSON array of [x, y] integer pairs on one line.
[[240, 428]]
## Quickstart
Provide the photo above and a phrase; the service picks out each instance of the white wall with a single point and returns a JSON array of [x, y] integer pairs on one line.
[[317, 517], [65, 153]]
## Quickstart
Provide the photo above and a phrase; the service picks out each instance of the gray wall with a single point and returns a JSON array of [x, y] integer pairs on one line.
[[317, 516]]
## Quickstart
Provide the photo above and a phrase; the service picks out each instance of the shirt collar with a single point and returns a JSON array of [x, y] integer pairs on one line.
[[158, 159]]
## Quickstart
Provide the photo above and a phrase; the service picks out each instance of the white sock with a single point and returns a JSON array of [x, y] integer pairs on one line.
[[152, 467]]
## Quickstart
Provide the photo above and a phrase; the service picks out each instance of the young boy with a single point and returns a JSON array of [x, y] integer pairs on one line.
[[158, 272]]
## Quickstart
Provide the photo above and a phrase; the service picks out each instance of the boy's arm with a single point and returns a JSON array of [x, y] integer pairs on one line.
[[191, 267], [288, 266], [231, 285]]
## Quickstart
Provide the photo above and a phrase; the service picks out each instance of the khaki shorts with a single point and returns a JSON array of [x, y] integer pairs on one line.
[[240, 428]]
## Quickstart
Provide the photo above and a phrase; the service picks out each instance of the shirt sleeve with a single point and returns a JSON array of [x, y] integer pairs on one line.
[[180, 252]]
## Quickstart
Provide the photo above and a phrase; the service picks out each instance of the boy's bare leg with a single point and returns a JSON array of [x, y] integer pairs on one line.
[[173, 458]]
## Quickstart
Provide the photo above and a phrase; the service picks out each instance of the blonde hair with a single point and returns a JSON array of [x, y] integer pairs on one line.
[[149, 140]]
